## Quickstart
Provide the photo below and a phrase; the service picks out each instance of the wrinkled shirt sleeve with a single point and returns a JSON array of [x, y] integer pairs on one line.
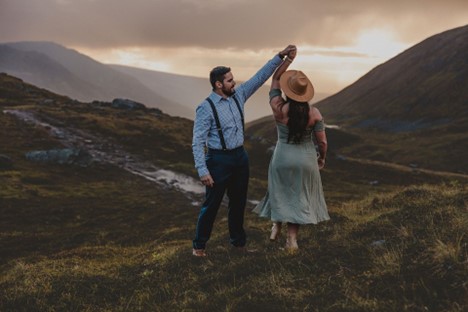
[[249, 87], [201, 128]]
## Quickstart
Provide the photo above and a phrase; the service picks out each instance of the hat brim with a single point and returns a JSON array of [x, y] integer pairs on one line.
[[308, 94]]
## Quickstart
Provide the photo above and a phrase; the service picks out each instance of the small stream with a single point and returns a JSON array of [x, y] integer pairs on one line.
[[106, 152]]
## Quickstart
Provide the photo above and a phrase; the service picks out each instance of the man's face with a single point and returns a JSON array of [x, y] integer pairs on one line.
[[228, 84]]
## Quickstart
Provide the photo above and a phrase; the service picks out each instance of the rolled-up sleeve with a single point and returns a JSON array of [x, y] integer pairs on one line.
[[201, 128]]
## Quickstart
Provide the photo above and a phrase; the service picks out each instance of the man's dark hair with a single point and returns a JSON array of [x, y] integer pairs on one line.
[[217, 74]]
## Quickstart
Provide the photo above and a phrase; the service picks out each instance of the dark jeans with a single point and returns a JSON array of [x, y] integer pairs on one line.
[[230, 171]]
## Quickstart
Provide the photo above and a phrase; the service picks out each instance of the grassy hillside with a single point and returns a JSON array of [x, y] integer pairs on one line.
[[97, 238], [107, 244], [153, 135]]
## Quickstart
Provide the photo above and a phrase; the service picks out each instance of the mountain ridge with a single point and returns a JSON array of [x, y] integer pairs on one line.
[[103, 82], [88, 80], [29, 65], [419, 88]]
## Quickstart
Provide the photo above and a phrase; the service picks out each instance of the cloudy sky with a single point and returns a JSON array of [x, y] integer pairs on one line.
[[338, 40]]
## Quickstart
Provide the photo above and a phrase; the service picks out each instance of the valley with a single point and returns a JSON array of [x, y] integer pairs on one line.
[[103, 219]]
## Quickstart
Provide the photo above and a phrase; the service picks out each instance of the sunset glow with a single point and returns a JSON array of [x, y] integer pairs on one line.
[[136, 57], [378, 44], [336, 67], [338, 41]]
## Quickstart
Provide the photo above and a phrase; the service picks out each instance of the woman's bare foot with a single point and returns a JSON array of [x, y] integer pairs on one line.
[[275, 231]]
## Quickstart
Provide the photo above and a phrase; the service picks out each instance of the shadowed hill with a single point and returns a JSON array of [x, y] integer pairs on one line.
[[421, 88]]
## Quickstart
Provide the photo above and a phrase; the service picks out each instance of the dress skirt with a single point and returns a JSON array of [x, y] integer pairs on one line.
[[295, 192]]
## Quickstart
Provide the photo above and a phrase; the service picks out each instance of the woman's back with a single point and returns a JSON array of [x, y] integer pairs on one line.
[[283, 132]]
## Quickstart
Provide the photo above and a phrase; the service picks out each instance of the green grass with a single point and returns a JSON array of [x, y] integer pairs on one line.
[[422, 264], [97, 238]]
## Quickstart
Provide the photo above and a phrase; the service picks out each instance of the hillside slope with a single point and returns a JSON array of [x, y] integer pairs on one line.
[[421, 88], [95, 237]]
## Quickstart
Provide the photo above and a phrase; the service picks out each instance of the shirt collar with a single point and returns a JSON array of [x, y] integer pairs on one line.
[[215, 97]]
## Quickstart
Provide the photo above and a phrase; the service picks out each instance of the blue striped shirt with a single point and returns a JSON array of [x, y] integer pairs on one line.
[[205, 132]]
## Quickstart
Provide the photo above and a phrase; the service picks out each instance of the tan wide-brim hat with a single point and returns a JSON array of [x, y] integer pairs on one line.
[[297, 86]]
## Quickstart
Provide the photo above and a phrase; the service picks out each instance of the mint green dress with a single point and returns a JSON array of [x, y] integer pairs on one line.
[[295, 191]]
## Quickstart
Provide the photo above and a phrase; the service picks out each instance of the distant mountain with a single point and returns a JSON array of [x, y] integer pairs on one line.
[[190, 91], [184, 90], [39, 69], [423, 87], [65, 71]]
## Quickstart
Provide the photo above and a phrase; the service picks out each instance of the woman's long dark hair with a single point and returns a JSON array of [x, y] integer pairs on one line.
[[298, 118]]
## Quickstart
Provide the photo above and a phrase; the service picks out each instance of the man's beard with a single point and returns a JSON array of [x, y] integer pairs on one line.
[[228, 92]]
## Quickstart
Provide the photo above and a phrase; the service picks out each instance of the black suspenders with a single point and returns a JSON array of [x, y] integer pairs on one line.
[[218, 124], [240, 112]]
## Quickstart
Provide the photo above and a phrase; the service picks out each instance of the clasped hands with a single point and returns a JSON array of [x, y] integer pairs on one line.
[[290, 52]]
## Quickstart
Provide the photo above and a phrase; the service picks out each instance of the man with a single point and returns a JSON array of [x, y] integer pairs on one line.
[[219, 125]]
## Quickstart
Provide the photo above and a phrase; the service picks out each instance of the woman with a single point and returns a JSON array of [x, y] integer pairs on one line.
[[295, 194]]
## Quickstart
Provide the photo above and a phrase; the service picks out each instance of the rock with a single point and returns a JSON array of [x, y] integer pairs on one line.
[[5, 162], [156, 111], [127, 104], [61, 156], [340, 157], [47, 101], [378, 243]]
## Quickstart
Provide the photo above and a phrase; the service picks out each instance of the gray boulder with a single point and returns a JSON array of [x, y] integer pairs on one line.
[[127, 104], [61, 156]]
